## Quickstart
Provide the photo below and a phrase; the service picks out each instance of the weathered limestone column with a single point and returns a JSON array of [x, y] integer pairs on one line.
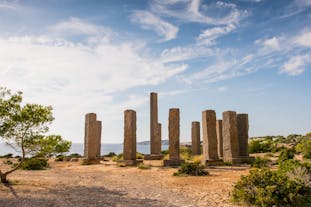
[[129, 148], [92, 138], [173, 133], [219, 138], [195, 136], [242, 124], [155, 130], [155, 140], [230, 137], [210, 153]]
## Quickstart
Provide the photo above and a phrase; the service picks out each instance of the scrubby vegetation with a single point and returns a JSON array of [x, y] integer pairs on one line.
[[288, 185], [193, 169], [35, 164]]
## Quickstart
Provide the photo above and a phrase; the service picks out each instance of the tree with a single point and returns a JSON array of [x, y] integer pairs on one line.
[[52, 145], [21, 125]]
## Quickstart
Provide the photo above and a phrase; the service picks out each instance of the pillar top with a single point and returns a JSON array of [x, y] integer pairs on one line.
[[129, 110]]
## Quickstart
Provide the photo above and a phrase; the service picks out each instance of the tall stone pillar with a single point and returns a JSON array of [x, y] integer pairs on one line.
[[230, 137], [242, 124], [195, 136], [155, 140], [92, 138], [129, 149], [173, 133], [155, 130], [219, 138], [210, 153]]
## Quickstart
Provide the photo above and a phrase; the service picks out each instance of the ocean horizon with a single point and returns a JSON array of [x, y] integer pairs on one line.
[[79, 148]]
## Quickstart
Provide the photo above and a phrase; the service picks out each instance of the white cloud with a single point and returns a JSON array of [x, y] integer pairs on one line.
[[269, 45], [77, 78], [303, 3], [303, 39], [150, 21], [295, 65], [195, 11], [208, 36]]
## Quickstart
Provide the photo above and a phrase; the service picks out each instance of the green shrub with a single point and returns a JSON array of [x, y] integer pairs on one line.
[[194, 169], [165, 152], [262, 145], [305, 148], [185, 153], [59, 158], [35, 163], [286, 154], [117, 157], [7, 156], [139, 155], [75, 155], [264, 187], [110, 154], [260, 162], [142, 166]]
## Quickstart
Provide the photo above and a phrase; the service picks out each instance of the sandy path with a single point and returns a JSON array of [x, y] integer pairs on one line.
[[70, 184]]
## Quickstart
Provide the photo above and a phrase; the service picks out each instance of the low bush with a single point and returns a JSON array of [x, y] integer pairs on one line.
[[7, 156], [260, 162], [262, 145], [185, 153], [59, 158], [117, 157], [286, 154], [264, 187], [142, 166], [75, 155], [35, 163], [305, 148], [110, 154], [193, 169], [139, 155]]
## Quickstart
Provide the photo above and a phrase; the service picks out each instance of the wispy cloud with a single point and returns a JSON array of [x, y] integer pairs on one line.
[[150, 21], [303, 39], [208, 36], [194, 11], [296, 65]]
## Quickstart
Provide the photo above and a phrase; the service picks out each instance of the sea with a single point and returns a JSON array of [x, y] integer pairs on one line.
[[79, 148]]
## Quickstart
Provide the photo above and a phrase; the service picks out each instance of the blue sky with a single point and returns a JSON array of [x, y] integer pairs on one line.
[[250, 56]]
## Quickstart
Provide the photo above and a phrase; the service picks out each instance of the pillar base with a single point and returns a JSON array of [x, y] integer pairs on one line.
[[129, 162], [173, 163], [212, 162], [86, 161], [153, 157]]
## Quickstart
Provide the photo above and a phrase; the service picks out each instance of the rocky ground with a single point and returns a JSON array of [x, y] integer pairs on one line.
[[74, 185]]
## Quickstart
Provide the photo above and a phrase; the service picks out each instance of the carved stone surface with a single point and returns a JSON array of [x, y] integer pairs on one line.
[[92, 137], [129, 149], [219, 138]]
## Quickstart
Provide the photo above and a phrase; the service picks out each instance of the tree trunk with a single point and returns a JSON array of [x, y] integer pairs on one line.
[[3, 178]]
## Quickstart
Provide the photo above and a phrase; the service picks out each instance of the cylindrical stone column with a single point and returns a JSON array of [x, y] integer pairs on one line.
[[195, 137], [90, 137], [173, 133], [242, 124], [98, 138], [219, 138], [155, 140], [129, 149], [209, 135], [230, 136]]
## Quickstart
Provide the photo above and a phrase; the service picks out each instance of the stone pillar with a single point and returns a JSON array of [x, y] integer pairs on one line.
[[173, 133], [242, 124], [92, 138], [210, 153], [219, 138], [195, 136], [155, 140], [230, 137], [129, 149], [155, 130]]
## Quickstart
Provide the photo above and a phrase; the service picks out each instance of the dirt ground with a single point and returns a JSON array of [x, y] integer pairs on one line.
[[69, 184]]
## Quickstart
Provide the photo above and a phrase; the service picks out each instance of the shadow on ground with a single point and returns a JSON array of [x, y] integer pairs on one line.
[[76, 196]]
